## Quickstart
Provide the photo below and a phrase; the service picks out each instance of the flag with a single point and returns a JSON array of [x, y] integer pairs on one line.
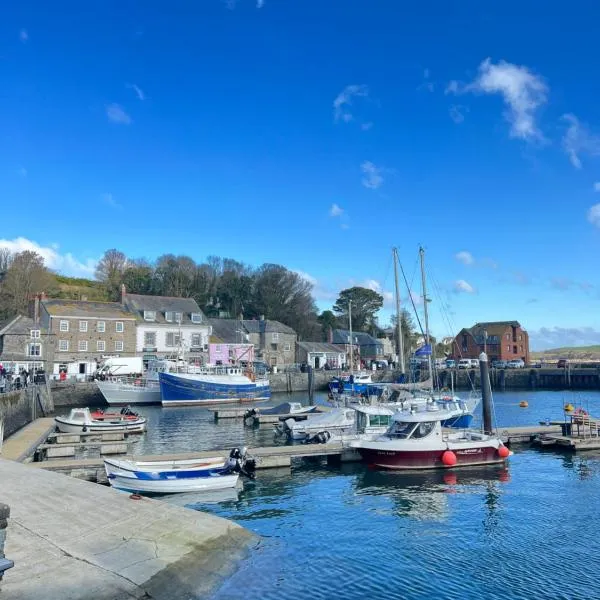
[[424, 350]]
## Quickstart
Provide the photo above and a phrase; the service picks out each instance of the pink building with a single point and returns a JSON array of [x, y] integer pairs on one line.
[[226, 354]]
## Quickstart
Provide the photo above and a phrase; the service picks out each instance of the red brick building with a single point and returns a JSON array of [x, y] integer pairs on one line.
[[501, 340]]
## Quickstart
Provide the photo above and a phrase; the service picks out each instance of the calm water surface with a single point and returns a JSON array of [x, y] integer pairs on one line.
[[526, 531]]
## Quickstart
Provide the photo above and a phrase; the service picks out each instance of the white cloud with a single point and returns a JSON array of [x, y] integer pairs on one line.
[[373, 177], [66, 264], [522, 91], [23, 36], [22, 172], [336, 211], [557, 337], [373, 284], [344, 100], [597, 186], [579, 140], [138, 91], [466, 258], [366, 126], [593, 215], [456, 113], [463, 287], [260, 3], [110, 201], [116, 114], [307, 277]]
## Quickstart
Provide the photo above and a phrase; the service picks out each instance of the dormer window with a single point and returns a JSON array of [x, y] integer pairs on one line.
[[196, 318], [169, 316], [35, 334], [149, 315], [178, 317]]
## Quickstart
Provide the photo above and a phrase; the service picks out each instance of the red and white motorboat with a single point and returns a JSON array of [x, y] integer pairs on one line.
[[417, 440]]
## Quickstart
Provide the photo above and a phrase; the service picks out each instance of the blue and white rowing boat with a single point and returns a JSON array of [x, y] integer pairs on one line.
[[219, 385]]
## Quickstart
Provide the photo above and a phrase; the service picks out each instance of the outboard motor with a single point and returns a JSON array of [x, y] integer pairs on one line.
[[319, 438], [238, 462]]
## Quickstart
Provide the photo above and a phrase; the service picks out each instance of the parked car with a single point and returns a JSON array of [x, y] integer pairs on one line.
[[515, 363], [562, 363], [440, 363], [499, 364], [464, 363], [450, 363]]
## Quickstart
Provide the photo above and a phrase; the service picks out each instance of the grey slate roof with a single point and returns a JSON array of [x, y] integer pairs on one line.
[[138, 303], [85, 308], [19, 325], [320, 347], [254, 326], [227, 330], [340, 336]]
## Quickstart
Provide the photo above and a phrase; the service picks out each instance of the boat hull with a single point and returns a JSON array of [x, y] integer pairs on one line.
[[178, 390], [172, 486], [429, 459], [131, 467], [66, 426], [116, 393]]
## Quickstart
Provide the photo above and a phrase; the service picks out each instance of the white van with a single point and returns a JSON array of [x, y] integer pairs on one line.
[[468, 363]]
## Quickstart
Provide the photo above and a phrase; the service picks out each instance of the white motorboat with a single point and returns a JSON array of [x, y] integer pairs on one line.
[[129, 390], [286, 408], [80, 420], [334, 422], [417, 440], [169, 477]]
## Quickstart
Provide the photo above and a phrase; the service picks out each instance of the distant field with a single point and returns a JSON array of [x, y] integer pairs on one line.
[[572, 352]]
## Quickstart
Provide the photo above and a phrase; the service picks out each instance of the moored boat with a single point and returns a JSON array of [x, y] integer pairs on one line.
[[80, 420]]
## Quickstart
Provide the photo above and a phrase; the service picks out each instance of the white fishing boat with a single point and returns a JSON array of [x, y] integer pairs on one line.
[[80, 420], [335, 422], [169, 477]]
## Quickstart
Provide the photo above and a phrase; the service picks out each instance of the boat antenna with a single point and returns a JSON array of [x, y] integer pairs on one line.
[[400, 344], [425, 311]]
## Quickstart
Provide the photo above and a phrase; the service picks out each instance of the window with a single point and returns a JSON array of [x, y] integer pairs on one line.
[[508, 336], [508, 348], [520, 337], [465, 343], [35, 334], [149, 339], [169, 316], [196, 318], [83, 346], [83, 326], [196, 340], [178, 317], [423, 429], [100, 345], [64, 325], [118, 346], [287, 347], [149, 315], [35, 350], [172, 339], [119, 327], [521, 348], [274, 337], [514, 349], [63, 345], [101, 327], [274, 347]]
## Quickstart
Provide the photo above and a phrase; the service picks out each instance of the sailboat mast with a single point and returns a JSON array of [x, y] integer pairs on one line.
[[350, 329], [425, 301], [400, 344]]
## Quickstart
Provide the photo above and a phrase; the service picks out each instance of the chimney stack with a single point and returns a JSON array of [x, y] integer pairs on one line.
[[330, 335], [123, 293], [36, 309]]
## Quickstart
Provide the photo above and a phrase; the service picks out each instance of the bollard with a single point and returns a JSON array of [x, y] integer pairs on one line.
[[486, 393]]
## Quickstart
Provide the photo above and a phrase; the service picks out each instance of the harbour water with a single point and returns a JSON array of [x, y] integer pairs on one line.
[[517, 532]]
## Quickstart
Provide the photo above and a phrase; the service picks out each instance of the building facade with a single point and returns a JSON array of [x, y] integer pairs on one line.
[[320, 355], [365, 347], [230, 354], [168, 327], [274, 342], [501, 340], [25, 344], [84, 333]]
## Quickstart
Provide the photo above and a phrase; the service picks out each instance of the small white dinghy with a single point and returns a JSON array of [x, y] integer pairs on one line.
[[169, 477], [80, 420]]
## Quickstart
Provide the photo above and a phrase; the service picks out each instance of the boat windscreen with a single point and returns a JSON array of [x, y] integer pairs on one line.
[[400, 429]]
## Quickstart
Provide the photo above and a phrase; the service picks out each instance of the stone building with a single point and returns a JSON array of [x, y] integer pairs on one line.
[[168, 327], [501, 340], [320, 355], [84, 333], [365, 347], [25, 344], [274, 343]]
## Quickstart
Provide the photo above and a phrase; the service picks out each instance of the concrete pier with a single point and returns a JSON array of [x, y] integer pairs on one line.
[[76, 540]]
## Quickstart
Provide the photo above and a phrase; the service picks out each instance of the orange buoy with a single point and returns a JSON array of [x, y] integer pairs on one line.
[[449, 458], [503, 452]]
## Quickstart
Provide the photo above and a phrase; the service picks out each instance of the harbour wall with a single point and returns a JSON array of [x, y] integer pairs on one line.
[[76, 394], [4, 514]]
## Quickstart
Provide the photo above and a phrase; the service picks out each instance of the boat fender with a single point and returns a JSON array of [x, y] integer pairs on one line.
[[84, 429], [135, 497], [449, 458], [503, 452]]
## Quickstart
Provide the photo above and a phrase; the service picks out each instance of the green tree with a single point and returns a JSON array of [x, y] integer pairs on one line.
[[409, 331], [138, 277], [365, 305], [328, 321]]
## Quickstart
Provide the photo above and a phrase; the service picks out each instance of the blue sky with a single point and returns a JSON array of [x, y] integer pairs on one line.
[[317, 134]]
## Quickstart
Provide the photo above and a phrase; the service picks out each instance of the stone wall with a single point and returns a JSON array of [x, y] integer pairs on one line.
[[15, 410], [4, 514], [76, 394]]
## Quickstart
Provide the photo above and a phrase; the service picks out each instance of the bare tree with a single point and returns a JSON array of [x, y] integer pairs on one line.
[[110, 270]]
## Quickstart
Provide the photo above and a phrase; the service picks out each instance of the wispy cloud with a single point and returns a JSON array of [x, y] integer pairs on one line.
[[522, 278], [522, 91], [66, 264], [345, 99], [593, 215], [366, 126], [466, 258], [260, 3], [116, 114], [463, 287], [456, 113], [372, 175], [336, 211], [557, 337], [306, 276], [561, 283], [427, 84], [579, 140], [109, 200], [24, 36], [22, 172], [138, 91], [597, 186]]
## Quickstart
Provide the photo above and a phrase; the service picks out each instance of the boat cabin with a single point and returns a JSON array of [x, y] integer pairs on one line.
[[372, 419]]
